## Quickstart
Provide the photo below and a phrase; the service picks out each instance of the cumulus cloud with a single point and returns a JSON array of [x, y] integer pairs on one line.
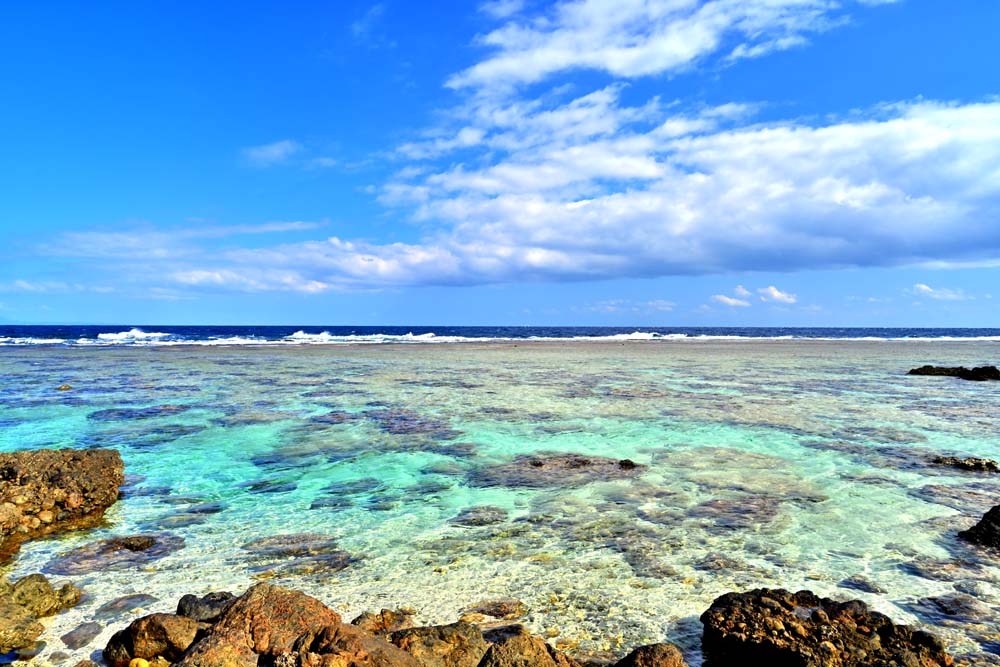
[[772, 293], [633, 38], [268, 155], [940, 293], [740, 290], [730, 301]]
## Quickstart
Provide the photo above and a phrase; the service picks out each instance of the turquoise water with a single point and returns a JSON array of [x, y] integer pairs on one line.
[[770, 463]]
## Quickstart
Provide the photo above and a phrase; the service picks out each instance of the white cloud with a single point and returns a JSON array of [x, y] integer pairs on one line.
[[772, 293], [940, 293], [740, 290], [271, 154], [730, 301], [501, 9], [633, 38]]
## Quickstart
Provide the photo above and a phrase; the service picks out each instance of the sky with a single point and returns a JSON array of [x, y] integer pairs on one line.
[[512, 162]]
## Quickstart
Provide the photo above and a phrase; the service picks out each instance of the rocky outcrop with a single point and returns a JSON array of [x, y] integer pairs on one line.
[[266, 621], [971, 463], [781, 629], [979, 374], [54, 490], [25, 601], [986, 533]]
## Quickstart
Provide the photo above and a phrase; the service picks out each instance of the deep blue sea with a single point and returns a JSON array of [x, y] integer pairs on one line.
[[140, 335]]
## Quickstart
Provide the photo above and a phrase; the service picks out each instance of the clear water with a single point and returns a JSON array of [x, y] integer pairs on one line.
[[789, 463]]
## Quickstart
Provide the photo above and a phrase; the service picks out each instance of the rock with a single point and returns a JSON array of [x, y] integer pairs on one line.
[[504, 608], [129, 414], [987, 532], [548, 469], [164, 636], [653, 655], [775, 627], [953, 606], [18, 627], [860, 583], [63, 387], [522, 649], [124, 604], [979, 374], [116, 553], [971, 463], [385, 621], [298, 554], [456, 645], [48, 491], [343, 646], [266, 620], [205, 609], [36, 594], [81, 635], [480, 515]]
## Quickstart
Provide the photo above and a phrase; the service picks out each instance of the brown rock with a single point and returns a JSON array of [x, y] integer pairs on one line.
[[775, 627], [266, 620], [455, 645], [384, 622], [344, 646], [505, 608], [524, 650], [74, 486], [36, 594], [156, 635], [653, 655], [82, 635], [18, 627]]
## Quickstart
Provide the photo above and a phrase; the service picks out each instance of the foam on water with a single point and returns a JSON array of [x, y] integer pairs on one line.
[[792, 463]]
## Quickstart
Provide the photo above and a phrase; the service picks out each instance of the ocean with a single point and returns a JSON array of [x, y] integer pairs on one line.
[[402, 459]]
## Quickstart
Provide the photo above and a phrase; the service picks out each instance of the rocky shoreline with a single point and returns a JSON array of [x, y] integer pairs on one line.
[[273, 626]]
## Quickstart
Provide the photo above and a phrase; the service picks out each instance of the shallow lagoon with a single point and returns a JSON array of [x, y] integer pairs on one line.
[[770, 463]]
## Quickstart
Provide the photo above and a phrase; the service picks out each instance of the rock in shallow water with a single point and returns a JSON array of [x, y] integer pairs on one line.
[[205, 609], [987, 532], [777, 628], [553, 469], [480, 515], [116, 553], [979, 374], [971, 463]]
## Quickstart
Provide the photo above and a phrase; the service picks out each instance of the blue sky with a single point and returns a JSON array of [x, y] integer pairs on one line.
[[620, 162]]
